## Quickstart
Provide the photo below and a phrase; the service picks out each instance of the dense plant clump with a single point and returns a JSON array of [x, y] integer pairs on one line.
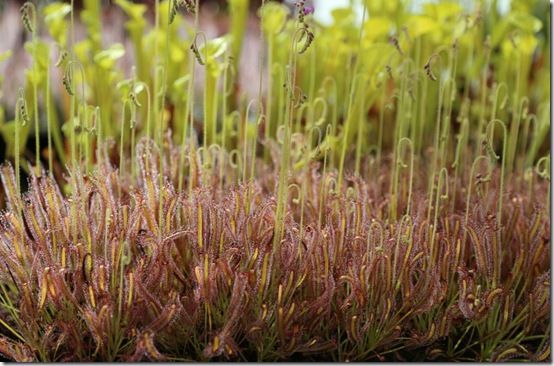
[[385, 196]]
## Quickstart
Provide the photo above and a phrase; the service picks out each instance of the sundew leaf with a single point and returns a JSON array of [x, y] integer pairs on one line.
[[56, 11], [54, 17], [90, 16], [138, 88], [239, 16], [164, 15], [377, 56], [180, 87], [34, 78], [419, 25], [344, 25], [377, 27], [124, 87], [443, 10], [384, 7], [69, 124], [343, 15], [82, 51], [134, 11], [39, 50], [214, 48], [499, 31], [526, 44], [341, 49], [251, 129], [458, 29], [274, 16], [8, 133], [107, 58], [180, 83], [525, 22], [5, 55], [149, 39], [176, 53]]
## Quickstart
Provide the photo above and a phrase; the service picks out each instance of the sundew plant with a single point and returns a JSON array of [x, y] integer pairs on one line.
[[381, 192]]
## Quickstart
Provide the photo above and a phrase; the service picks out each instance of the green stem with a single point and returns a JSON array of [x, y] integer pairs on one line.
[[49, 118], [468, 197], [19, 105], [352, 89], [35, 102], [490, 133], [443, 178]]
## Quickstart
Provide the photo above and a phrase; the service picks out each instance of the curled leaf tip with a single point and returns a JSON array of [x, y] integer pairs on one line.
[[428, 69], [28, 16], [189, 6], [308, 37]]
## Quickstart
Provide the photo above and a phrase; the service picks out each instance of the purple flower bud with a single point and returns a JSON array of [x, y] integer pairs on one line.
[[308, 10]]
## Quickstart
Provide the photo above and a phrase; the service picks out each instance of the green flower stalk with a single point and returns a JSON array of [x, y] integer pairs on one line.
[[29, 18]]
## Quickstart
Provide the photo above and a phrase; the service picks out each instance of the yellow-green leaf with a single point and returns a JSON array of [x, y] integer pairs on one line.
[[525, 22], [106, 58], [274, 17], [54, 17]]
